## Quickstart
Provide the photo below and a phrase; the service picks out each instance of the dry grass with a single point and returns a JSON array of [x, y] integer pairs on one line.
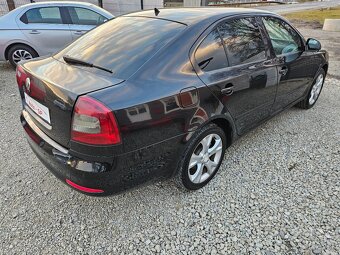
[[315, 15]]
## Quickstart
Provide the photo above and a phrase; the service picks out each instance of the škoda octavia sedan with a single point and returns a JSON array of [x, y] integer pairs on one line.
[[163, 93]]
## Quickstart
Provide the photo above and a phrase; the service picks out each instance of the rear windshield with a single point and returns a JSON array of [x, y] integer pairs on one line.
[[123, 44]]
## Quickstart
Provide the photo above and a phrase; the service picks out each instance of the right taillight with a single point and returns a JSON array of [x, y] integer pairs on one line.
[[94, 123]]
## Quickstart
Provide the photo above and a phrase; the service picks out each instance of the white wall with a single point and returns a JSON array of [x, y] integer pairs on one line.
[[192, 3], [150, 4], [118, 7]]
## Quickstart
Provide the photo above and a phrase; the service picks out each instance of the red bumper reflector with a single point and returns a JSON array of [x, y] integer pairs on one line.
[[82, 188]]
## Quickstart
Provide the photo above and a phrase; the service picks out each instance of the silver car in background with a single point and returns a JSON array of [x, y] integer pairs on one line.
[[43, 28]]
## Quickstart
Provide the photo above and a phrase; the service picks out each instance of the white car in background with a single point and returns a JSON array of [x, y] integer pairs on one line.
[[43, 28]]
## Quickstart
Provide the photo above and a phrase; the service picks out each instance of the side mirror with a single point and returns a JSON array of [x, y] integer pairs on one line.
[[313, 44]]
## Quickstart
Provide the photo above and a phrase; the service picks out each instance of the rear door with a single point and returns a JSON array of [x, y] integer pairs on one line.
[[233, 60], [82, 20], [44, 27], [296, 68]]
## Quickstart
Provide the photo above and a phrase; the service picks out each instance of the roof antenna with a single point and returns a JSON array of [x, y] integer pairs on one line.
[[156, 11]]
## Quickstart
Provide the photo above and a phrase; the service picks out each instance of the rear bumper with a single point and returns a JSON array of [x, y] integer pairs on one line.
[[126, 171]]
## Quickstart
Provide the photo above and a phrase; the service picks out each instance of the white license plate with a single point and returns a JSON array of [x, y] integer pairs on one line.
[[41, 110]]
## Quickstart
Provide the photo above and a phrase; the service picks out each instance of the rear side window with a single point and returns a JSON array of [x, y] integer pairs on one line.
[[123, 44], [283, 37], [49, 15], [82, 16], [243, 41], [210, 55]]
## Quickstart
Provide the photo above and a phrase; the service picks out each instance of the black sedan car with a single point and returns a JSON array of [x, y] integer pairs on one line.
[[163, 93]]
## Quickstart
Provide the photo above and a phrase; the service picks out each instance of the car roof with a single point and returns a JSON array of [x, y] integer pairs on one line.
[[59, 3], [191, 16], [25, 7]]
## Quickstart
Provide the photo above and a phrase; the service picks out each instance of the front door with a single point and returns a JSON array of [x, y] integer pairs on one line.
[[295, 69], [234, 63], [45, 29]]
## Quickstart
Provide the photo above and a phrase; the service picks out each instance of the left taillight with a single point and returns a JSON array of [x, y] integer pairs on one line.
[[21, 76], [93, 123]]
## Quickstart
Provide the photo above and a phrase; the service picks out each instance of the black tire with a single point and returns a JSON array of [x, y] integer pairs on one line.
[[182, 178], [20, 47], [305, 103]]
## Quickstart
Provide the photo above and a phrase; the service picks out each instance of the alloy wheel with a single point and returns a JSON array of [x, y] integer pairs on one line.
[[19, 55], [316, 89], [205, 158]]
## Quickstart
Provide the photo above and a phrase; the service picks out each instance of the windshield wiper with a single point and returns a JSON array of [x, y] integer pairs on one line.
[[75, 61]]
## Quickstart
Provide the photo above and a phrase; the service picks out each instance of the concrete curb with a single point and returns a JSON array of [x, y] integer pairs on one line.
[[331, 25]]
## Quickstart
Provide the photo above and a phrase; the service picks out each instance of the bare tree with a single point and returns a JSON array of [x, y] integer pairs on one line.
[[11, 5]]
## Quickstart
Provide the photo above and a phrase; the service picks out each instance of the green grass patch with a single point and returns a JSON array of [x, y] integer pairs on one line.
[[315, 15]]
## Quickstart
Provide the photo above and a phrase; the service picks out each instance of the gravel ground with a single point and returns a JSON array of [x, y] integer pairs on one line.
[[277, 192]]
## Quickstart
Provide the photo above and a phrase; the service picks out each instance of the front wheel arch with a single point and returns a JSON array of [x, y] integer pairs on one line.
[[325, 68], [304, 103]]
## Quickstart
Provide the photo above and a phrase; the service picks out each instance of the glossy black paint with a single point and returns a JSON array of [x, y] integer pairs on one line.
[[253, 86], [160, 106]]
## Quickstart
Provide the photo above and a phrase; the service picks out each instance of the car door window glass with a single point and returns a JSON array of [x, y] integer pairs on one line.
[[82, 16], [283, 37], [210, 55], [243, 41], [50, 15]]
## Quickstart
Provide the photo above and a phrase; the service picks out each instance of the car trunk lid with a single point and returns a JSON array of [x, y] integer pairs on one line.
[[49, 89]]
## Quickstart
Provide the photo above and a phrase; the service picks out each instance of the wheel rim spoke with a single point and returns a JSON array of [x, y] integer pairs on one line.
[[209, 140], [196, 177], [194, 160], [205, 143], [217, 147], [211, 165]]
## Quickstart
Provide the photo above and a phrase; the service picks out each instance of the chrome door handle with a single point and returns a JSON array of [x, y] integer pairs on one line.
[[269, 63], [227, 91], [78, 32], [34, 32]]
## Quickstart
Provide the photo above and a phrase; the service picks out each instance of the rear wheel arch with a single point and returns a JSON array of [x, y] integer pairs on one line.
[[17, 44], [185, 174], [226, 125]]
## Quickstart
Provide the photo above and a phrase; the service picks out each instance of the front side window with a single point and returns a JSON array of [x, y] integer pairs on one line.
[[210, 55], [49, 15], [283, 37], [243, 41], [82, 16]]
